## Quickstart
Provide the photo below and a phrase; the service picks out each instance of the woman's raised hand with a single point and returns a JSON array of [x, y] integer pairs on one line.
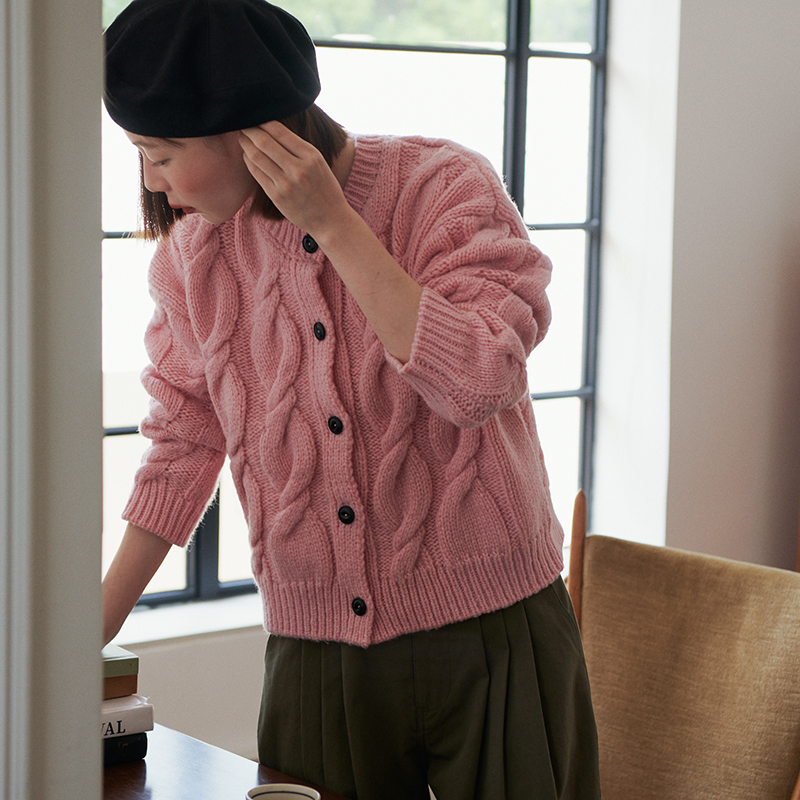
[[295, 177], [306, 190]]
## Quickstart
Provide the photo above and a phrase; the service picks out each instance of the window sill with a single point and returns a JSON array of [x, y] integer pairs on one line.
[[190, 619]]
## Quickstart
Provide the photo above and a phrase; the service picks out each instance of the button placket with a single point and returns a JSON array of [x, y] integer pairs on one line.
[[348, 520]]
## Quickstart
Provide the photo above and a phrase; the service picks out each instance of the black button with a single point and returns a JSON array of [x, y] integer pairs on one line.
[[335, 425], [319, 330], [309, 245], [359, 607], [346, 515]]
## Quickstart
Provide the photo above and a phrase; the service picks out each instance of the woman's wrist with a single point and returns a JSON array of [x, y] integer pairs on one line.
[[139, 556]]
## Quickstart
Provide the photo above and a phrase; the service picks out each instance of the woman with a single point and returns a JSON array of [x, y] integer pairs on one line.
[[348, 318]]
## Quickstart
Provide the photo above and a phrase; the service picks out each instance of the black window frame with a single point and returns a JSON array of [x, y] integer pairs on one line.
[[202, 582]]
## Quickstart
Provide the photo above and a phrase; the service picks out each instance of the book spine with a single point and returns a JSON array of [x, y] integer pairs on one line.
[[119, 720], [115, 667], [117, 661], [121, 686], [124, 749]]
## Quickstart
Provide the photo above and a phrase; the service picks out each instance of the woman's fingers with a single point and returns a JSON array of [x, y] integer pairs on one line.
[[260, 165], [284, 148], [275, 167], [293, 173]]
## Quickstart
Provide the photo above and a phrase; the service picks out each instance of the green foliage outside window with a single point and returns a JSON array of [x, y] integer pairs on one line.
[[562, 21], [428, 21], [406, 21]]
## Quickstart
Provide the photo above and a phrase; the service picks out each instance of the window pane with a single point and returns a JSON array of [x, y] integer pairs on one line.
[[127, 309], [234, 542], [556, 364], [457, 97], [557, 143], [120, 179], [478, 22], [558, 423], [562, 25], [121, 457]]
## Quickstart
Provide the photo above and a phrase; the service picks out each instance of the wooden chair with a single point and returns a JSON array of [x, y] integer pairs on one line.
[[694, 663]]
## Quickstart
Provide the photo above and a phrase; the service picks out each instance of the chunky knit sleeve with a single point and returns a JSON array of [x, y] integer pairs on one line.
[[180, 469], [484, 306]]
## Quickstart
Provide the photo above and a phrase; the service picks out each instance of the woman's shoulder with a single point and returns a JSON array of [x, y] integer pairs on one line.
[[422, 166], [430, 177], [423, 149]]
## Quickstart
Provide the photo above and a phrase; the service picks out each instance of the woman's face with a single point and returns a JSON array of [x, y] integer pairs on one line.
[[205, 176]]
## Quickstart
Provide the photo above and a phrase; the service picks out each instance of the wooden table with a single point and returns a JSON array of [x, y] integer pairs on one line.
[[178, 767]]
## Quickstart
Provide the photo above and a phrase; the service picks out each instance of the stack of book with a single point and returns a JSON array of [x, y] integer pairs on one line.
[[126, 716]]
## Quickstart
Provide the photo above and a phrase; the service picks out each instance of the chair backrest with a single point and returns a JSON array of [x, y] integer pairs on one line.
[[694, 664]]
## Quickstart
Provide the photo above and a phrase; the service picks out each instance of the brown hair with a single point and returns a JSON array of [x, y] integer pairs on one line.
[[313, 125]]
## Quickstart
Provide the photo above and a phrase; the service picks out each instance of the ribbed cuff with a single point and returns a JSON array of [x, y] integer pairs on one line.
[[156, 506]]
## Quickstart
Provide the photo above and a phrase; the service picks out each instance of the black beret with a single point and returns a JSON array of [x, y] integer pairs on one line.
[[184, 68]]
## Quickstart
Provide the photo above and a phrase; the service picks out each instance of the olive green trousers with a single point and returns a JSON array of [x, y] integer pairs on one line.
[[492, 708]]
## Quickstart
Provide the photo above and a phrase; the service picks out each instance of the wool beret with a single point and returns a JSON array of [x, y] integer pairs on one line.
[[185, 68]]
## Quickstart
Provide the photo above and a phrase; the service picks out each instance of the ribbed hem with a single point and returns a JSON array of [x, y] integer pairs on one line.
[[427, 600]]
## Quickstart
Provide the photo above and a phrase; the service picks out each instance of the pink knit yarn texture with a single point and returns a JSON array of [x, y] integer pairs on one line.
[[428, 501]]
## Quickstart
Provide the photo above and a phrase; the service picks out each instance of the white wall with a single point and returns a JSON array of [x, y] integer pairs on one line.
[[207, 686], [723, 334], [734, 474]]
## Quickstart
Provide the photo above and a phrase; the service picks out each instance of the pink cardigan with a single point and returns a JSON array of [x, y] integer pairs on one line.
[[381, 498]]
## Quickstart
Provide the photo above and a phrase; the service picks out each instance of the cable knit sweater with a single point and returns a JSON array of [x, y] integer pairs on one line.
[[381, 498]]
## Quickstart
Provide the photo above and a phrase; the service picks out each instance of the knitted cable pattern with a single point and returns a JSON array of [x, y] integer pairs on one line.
[[209, 277], [487, 306], [157, 461], [176, 380], [241, 470], [431, 451], [403, 487], [465, 498], [297, 541], [431, 246]]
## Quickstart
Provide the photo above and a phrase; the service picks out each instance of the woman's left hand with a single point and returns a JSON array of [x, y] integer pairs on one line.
[[295, 177]]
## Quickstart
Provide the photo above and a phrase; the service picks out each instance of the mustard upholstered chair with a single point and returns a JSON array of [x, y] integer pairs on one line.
[[694, 663]]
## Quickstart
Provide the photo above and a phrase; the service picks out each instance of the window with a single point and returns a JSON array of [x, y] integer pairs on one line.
[[521, 82]]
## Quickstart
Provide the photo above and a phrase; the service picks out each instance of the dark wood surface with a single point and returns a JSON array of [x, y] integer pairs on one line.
[[178, 767]]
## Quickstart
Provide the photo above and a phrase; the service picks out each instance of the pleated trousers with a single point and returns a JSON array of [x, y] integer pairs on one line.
[[492, 708]]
